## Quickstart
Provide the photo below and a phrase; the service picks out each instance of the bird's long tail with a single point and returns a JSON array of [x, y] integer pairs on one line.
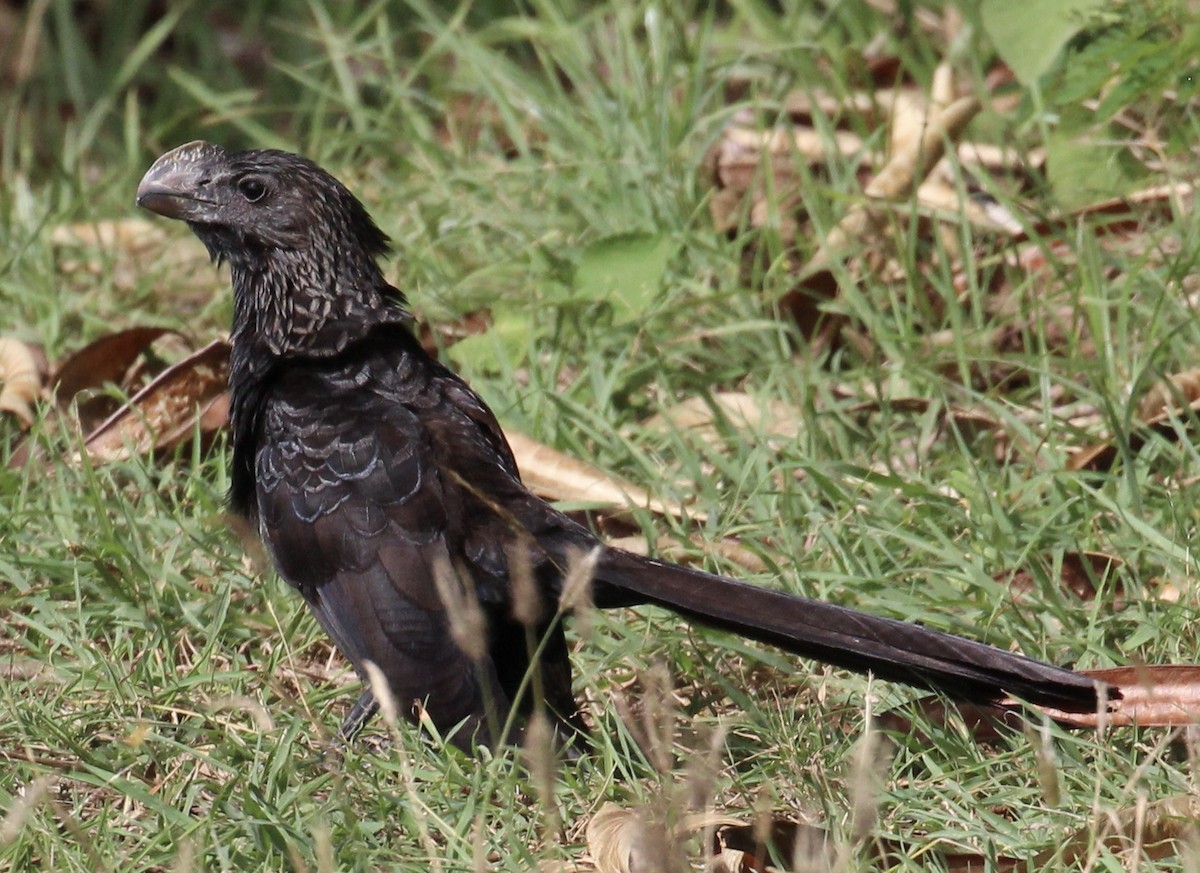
[[894, 650]]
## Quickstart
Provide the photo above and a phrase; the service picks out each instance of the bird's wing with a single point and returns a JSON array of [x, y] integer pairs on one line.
[[495, 514], [353, 508]]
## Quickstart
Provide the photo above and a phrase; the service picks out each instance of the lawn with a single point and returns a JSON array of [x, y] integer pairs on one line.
[[936, 418]]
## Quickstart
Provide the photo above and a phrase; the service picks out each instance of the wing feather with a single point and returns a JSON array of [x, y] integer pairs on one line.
[[353, 510]]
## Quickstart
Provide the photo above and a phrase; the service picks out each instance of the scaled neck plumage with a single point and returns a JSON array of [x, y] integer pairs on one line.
[[295, 306]]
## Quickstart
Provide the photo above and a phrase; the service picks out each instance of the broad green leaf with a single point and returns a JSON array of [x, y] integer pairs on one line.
[[1029, 34], [625, 270], [498, 349], [1083, 170]]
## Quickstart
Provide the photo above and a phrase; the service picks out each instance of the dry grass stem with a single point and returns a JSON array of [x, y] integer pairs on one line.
[[389, 710], [464, 615], [526, 596]]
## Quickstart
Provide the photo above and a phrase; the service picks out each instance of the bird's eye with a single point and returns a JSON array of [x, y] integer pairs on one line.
[[252, 189]]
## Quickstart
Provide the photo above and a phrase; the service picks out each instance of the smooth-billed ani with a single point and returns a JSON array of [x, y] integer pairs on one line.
[[368, 468]]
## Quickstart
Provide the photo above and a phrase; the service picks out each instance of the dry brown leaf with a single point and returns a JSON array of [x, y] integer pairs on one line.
[[1102, 455], [556, 476], [745, 153], [612, 836], [672, 550], [899, 177], [910, 112], [1161, 830], [908, 165], [107, 359], [472, 117], [1165, 405], [1177, 392], [632, 840], [130, 249], [748, 847], [1097, 457], [1079, 569], [1164, 695], [743, 146], [699, 415], [1050, 326], [802, 106], [943, 198], [750, 163], [189, 394], [578, 865], [435, 337], [1128, 213], [130, 235], [623, 840], [1001, 158], [985, 724], [730, 861], [758, 166], [972, 420], [1156, 696], [869, 108], [22, 370]]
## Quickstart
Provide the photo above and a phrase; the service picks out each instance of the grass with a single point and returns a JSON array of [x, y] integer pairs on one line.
[[166, 708]]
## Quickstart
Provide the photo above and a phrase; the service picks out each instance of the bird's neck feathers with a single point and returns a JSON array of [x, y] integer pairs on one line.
[[309, 304], [295, 306]]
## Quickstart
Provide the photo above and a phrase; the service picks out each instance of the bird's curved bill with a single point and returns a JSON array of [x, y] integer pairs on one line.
[[174, 186]]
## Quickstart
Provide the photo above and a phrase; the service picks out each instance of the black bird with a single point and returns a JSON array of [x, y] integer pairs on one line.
[[369, 469]]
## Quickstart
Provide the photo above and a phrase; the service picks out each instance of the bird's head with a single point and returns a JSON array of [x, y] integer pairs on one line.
[[301, 248], [246, 204]]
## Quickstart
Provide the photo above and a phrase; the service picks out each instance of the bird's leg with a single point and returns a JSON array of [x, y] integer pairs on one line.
[[363, 711]]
